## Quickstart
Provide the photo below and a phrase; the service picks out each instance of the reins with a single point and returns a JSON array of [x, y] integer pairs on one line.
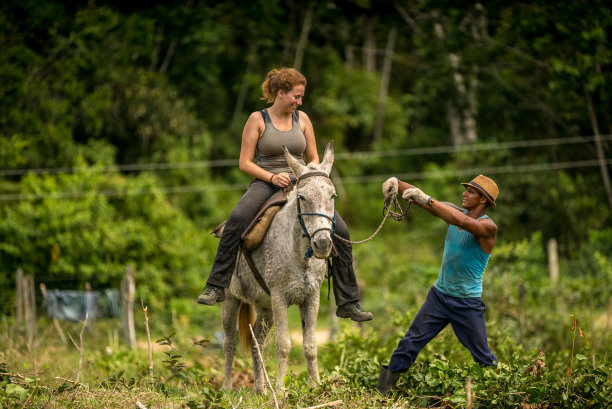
[[390, 201], [300, 214], [397, 214]]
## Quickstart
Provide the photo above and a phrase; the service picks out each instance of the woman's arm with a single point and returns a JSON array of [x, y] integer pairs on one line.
[[312, 156], [253, 129]]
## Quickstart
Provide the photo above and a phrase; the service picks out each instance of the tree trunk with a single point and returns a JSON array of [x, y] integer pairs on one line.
[[384, 84], [461, 114], [603, 166], [159, 36], [349, 51], [244, 86], [369, 47], [174, 42], [299, 53], [466, 108]]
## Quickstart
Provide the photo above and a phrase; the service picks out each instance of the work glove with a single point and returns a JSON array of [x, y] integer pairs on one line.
[[416, 195], [389, 187]]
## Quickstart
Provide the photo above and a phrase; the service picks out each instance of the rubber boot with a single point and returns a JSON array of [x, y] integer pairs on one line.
[[387, 380]]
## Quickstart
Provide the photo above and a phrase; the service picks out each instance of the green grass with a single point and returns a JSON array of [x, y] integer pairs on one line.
[[529, 321]]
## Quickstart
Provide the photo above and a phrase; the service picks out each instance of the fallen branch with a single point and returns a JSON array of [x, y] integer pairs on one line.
[[65, 380], [238, 404], [12, 375], [263, 366], [69, 376], [25, 404], [326, 405]]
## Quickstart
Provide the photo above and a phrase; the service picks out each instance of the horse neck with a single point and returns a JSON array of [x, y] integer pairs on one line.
[[292, 223]]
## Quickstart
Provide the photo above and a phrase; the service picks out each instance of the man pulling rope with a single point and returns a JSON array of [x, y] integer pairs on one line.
[[455, 298]]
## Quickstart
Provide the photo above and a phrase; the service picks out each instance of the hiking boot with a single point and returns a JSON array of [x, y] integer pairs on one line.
[[353, 311], [211, 295], [387, 380]]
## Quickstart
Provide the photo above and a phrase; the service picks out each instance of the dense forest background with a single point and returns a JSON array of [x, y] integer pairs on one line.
[[120, 129], [121, 121]]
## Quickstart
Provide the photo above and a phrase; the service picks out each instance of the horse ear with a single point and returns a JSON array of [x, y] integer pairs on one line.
[[295, 166], [328, 157]]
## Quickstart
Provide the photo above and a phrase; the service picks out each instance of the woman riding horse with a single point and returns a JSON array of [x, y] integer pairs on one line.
[[263, 136]]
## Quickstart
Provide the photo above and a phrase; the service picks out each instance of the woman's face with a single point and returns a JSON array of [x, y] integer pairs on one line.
[[292, 99]]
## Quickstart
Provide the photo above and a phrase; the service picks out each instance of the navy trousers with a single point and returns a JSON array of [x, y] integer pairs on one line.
[[466, 315], [343, 274]]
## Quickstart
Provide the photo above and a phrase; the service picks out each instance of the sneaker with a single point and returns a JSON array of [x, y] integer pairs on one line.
[[353, 311], [211, 295]]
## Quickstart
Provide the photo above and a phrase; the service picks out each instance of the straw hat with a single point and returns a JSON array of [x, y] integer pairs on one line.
[[486, 186]]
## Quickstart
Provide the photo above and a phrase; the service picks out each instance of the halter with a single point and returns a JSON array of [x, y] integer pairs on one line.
[[309, 251]]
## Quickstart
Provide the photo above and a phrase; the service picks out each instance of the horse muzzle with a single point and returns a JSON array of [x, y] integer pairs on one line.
[[321, 243]]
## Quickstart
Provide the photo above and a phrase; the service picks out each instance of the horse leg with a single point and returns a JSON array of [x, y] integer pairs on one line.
[[309, 310], [229, 312], [283, 342], [260, 329]]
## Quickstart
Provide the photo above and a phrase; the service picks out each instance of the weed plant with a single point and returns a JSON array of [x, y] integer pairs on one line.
[[551, 339]]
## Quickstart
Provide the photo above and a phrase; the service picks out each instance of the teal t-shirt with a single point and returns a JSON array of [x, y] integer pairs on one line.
[[463, 264]]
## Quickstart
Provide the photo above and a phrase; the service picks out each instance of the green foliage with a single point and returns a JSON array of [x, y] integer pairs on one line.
[[92, 236], [137, 99]]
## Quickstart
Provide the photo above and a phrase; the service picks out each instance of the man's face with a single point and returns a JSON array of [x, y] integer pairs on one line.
[[471, 198]]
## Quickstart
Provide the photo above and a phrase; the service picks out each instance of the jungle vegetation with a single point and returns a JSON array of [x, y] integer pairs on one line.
[[120, 129]]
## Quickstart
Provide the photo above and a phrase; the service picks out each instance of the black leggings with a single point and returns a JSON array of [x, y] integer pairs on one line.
[[343, 274]]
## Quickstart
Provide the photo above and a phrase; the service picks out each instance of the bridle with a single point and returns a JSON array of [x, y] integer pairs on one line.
[[309, 251]]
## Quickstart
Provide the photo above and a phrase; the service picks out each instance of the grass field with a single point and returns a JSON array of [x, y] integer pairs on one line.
[[552, 342]]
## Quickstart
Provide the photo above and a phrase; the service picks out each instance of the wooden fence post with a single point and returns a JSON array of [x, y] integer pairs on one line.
[[553, 260], [56, 324], [19, 298], [30, 308], [128, 288]]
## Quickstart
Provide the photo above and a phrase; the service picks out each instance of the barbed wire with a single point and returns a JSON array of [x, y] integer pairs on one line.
[[490, 146]]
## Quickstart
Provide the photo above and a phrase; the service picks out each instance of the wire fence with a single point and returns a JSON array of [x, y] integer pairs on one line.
[[170, 190], [492, 146]]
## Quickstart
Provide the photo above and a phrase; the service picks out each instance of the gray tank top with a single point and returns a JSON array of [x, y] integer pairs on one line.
[[269, 151]]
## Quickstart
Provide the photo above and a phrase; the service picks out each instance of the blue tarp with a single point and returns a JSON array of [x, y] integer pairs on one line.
[[72, 305]]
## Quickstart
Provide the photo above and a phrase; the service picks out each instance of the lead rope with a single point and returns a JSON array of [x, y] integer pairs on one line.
[[397, 214]]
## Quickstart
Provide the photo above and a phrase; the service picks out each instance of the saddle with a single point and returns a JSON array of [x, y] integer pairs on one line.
[[253, 235]]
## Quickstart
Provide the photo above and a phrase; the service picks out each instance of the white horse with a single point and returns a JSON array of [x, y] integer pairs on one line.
[[302, 227]]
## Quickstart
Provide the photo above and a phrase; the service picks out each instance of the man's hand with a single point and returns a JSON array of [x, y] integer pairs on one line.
[[416, 195], [389, 187]]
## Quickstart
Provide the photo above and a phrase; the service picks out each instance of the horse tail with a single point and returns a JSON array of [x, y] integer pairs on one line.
[[246, 316]]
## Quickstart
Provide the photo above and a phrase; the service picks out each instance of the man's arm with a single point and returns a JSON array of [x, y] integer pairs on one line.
[[484, 230], [451, 214]]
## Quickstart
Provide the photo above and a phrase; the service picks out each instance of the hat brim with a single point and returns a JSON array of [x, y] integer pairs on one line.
[[481, 190]]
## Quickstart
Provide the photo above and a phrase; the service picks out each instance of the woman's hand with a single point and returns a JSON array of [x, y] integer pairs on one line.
[[281, 179]]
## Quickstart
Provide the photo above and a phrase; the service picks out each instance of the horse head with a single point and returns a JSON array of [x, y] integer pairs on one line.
[[315, 195]]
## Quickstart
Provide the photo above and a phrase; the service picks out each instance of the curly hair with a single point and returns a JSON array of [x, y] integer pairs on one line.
[[281, 79]]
